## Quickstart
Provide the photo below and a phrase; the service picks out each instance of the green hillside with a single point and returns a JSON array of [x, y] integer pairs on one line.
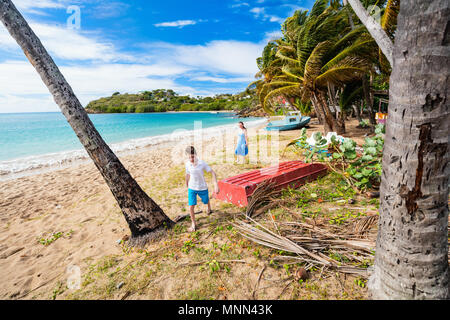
[[162, 100]]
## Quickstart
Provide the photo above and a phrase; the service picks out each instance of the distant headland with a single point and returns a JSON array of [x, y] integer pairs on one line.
[[163, 100]]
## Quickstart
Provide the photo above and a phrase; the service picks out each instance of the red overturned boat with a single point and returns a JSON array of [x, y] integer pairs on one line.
[[291, 174]]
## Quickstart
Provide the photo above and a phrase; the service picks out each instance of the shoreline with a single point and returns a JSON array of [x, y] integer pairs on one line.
[[77, 204], [44, 163], [69, 217], [58, 111], [215, 111]]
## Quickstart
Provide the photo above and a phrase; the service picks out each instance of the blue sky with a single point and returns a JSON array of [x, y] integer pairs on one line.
[[201, 47]]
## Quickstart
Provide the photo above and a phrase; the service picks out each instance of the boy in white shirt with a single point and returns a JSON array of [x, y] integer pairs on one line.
[[195, 181]]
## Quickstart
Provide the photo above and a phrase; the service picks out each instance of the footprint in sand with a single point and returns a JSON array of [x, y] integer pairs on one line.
[[30, 272], [10, 252]]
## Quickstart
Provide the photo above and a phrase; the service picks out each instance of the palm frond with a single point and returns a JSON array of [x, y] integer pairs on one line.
[[292, 73], [339, 75], [268, 87], [326, 26], [389, 18], [287, 48], [350, 36], [290, 89], [286, 58], [363, 49], [254, 84], [280, 83], [318, 8], [314, 63], [285, 77]]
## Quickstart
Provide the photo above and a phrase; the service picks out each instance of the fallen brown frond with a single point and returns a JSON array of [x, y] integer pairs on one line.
[[313, 245], [262, 197], [363, 225]]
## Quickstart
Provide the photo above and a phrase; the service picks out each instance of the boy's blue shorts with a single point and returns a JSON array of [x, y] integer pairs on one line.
[[192, 195]]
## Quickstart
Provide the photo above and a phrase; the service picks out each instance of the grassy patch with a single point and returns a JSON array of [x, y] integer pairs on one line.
[[194, 266], [46, 241]]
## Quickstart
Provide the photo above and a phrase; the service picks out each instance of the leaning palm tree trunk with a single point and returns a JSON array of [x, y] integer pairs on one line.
[[411, 260], [143, 215]]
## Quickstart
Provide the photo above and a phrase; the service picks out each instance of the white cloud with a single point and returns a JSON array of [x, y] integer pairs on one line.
[[178, 23], [94, 67], [109, 9], [6, 41], [68, 44], [257, 11], [260, 13], [242, 4], [224, 56], [275, 19], [24, 88], [12, 103], [234, 60], [42, 4], [101, 79], [222, 80], [19, 77], [71, 45], [273, 35]]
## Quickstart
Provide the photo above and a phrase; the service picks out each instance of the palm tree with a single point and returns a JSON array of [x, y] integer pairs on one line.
[[325, 55], [305, 31], [389, 25], [375, 29], [143, 215], [269, 67], [411, 260], [350, 95]]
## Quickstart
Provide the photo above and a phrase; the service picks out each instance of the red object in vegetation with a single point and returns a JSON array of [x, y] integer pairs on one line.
[[292, 174]]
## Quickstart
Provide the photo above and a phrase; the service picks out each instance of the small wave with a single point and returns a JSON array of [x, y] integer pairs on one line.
[[19, 167]]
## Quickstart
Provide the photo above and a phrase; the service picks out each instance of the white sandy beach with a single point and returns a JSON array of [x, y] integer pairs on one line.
[[75, 201]]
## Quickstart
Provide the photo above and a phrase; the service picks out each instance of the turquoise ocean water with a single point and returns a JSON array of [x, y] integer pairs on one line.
[[27, 136]]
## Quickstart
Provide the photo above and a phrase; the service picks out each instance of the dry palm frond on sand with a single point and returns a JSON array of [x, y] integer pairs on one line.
[[262, 199], [315, 250]]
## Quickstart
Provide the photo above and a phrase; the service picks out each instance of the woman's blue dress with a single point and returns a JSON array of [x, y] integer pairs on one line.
[[241, 149]]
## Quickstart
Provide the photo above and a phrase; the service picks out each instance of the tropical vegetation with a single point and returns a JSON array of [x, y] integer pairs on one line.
[[163, 100], [360, 168], [326, 62], [323, 53]]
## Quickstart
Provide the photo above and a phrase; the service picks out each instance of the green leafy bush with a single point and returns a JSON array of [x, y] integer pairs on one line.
[[361, 168]]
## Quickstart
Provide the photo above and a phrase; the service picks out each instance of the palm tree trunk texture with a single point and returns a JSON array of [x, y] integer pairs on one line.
[[349, 14], [320, 113], [357, 113], [143, 215], [411, 260], [369, 100], [332, 124], [340, 114], [316, 110], [372, 100]]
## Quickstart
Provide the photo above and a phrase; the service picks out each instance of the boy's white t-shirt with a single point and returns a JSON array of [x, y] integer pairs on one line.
[[197, 178]]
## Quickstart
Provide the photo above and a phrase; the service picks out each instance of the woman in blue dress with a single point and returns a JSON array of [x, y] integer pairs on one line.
[[242, 142]]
